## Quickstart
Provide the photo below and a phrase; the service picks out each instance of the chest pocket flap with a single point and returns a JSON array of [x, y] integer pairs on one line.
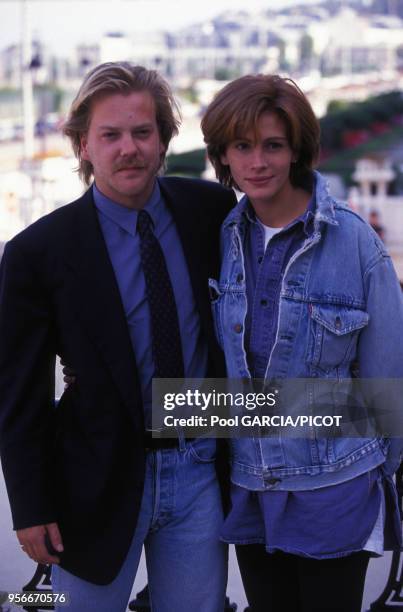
[[339, 320], [335, 333]]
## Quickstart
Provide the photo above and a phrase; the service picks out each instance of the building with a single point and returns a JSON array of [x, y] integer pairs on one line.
[[374, 174]]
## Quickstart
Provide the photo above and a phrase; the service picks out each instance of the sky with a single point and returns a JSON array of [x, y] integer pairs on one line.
[[63, 23]]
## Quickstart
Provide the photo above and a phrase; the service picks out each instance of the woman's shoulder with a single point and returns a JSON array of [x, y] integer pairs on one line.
[[352, 223]]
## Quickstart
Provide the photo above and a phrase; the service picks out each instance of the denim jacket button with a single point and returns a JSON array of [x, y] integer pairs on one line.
[[238, 328], [272, 481], [239, 278]]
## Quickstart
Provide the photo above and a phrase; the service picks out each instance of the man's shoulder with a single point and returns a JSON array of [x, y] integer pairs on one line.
[[54, 226], [181, 186]]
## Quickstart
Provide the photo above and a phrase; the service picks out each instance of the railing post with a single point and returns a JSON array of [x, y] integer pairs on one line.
[[391, 596], [41, 578]]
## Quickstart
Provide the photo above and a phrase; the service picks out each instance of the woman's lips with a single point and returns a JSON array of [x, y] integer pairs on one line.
[[259, 180]]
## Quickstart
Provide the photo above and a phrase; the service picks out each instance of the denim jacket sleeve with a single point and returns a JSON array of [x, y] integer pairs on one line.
[[380, 350]]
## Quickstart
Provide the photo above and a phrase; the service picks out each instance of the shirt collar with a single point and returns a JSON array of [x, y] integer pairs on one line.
[[306, 218], [124, 217]]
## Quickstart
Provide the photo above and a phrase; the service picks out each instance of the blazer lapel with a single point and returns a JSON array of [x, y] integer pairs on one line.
[[100, 306], [190, 224]]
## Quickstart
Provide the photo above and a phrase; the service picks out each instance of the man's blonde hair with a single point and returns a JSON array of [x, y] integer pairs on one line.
[[124, 78]]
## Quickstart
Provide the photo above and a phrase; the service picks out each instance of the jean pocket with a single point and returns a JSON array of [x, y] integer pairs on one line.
[[216, 296], [335, 332], [203, 450]]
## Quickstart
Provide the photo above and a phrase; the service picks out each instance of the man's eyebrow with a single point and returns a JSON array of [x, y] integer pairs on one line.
[[143, 125], [118, 127], [108, 127]]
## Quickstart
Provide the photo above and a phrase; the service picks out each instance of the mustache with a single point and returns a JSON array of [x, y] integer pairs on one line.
[[129, 165]]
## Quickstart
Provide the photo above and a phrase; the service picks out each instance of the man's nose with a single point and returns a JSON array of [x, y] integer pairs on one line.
[[128, 145]]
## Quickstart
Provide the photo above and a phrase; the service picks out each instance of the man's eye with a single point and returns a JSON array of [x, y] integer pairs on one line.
[[142, 133], [109, 135]]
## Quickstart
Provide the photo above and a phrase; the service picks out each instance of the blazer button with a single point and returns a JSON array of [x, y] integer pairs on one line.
[[238, 328]]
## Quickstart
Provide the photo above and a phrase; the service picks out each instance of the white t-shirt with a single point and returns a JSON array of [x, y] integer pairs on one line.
[[269, 232]]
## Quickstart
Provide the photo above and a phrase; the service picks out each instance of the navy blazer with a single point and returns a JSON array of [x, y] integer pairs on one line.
[[82, 464]]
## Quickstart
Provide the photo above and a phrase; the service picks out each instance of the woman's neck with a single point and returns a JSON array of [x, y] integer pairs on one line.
[[281, 211]]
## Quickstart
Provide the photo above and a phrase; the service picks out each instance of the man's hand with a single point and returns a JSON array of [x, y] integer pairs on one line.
[[69, 375], [32, 540]]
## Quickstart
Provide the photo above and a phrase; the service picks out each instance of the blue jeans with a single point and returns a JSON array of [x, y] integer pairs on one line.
[[179, 524]]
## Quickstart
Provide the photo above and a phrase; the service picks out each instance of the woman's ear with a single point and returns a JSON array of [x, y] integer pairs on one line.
[[224, 159]]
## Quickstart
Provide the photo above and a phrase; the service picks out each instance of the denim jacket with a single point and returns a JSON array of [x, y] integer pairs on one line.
[[340, 307]]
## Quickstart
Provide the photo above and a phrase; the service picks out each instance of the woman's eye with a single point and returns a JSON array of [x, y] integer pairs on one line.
[[273, 146], [241, 146]]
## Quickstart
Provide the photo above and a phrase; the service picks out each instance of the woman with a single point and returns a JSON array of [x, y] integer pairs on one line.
[[306, 291]]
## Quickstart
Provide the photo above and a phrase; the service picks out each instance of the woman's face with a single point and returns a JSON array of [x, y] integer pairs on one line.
[[260, 163]]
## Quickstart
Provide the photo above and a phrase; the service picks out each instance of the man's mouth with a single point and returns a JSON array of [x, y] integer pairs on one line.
[[129, 168]]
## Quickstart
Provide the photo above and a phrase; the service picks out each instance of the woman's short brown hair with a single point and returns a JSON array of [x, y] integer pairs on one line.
[[236, 108], [120, 77]]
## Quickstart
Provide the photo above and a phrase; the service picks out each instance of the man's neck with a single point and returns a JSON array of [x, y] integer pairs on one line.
[[132, 202]]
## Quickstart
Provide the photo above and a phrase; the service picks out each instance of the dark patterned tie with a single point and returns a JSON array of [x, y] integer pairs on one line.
[[166, 340]]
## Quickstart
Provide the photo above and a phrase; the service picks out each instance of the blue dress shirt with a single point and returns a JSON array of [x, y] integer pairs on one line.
[[118, 225]]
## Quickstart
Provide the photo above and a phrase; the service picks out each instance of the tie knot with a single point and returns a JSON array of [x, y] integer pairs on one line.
[[144, 222]]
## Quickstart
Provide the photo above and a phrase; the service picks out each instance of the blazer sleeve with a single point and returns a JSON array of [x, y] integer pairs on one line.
[[27, 383]]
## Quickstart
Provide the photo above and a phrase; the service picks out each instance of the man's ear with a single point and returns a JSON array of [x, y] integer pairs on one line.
[[84, 147], [163, 149]]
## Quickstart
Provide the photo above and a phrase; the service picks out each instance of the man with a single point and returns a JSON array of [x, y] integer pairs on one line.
[[116, 285]]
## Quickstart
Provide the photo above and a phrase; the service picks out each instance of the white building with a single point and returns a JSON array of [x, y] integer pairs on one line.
[[373, 175]]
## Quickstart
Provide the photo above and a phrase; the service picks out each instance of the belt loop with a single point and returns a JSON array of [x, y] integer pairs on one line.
[[181, 440]]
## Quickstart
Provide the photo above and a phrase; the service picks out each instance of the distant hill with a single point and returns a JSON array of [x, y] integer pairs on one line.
[[363, 7]]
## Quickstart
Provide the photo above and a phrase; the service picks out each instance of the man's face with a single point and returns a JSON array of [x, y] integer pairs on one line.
[[124, 147], [260, 163]]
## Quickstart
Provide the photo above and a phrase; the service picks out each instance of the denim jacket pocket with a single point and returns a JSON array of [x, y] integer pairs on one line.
[[216, 299], [335, 332]]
